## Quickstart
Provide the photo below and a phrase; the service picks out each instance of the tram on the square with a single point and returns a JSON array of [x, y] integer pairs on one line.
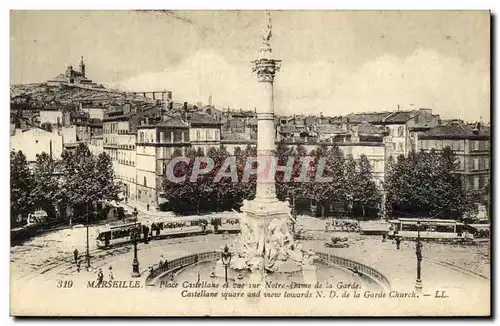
[[426, 228], [118, 233]]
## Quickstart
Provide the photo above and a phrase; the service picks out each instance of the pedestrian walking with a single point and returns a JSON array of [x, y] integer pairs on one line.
[[384, 237], [398, 242], [147, 207], [100, 277], [75, 255], [78, 266], [111, 275], [161, 262], [145, 230]]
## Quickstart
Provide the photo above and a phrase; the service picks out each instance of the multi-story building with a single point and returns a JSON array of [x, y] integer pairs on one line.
[[204, 131], [233, 140], [94, 111], [404, 127], [34, 141], [51, 115], [96, 145], [119, 141], [471, 145], [157, 141]]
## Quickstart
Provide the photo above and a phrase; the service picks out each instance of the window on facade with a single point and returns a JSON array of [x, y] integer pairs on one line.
[[486, 164], [198, 136], [461, 161], [487, 145], [476, 183], [400, 147], [439, 144], [141, 137], [217, 134], [145, 182], [476, 164], [455, 145], [401, 131], [208, 135], [475, 145], [393, 147]]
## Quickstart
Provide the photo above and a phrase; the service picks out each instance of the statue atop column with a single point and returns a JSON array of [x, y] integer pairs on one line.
[[266, 66], [266, 40]]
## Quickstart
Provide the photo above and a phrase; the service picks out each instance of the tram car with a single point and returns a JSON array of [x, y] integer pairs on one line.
[[118, 234], [223, 224], [178, 227]]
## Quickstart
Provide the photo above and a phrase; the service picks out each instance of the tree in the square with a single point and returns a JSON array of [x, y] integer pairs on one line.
[[365, 190], [452, 198], [46, 193], [83, 183], [21, 185], [351, 181], [108, 189]]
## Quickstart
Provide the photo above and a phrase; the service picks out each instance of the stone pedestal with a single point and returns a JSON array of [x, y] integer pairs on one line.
[[266, 242], [418, 286]]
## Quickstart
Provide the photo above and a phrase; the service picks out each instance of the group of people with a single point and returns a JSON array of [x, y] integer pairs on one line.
[[100, 274], [344, 226]]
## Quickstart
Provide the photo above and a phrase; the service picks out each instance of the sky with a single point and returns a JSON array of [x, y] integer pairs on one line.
[[334, 62]]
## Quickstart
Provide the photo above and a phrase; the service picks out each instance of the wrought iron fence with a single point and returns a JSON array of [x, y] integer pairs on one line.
[[328, 259], [178, 263], [354, 265]]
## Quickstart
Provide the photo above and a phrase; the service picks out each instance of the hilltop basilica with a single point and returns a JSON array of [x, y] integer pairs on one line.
[[73, 77]]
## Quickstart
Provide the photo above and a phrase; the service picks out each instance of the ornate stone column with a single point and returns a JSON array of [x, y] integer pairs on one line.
[[265, 67], [266, 243]]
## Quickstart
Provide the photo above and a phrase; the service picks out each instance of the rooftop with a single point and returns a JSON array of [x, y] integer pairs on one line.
[[199, 118], [367, 129], [400, 116], [371, 117], [457, 130], [331, 129]]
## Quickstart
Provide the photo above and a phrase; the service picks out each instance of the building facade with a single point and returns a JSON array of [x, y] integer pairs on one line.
[[52, 116], [471, 145], [204, 131], [34, 141], [119, 142], [96, 145], [157, 142]]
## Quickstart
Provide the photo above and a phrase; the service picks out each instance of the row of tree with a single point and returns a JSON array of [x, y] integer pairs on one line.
[[78, 180], [428, 184], [351, 180], [421, 184]]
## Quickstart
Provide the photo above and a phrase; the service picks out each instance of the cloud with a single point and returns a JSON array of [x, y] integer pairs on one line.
[[425, 79]]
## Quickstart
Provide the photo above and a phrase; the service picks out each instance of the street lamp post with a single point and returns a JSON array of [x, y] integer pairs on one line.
[[88, 247], [135, 213], [418, 253], [292, 208], [135, 262], [226, 260]]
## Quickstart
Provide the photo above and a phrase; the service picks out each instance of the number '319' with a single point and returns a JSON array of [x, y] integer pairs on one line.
[[64, 284]]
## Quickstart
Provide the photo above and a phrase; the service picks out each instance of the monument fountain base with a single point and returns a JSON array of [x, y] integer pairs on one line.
[[266, 244]]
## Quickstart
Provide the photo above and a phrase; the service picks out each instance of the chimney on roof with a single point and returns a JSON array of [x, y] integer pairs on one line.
[[476, 129]]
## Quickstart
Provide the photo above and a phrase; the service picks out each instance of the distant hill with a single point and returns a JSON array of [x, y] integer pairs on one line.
[[42, 95]]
